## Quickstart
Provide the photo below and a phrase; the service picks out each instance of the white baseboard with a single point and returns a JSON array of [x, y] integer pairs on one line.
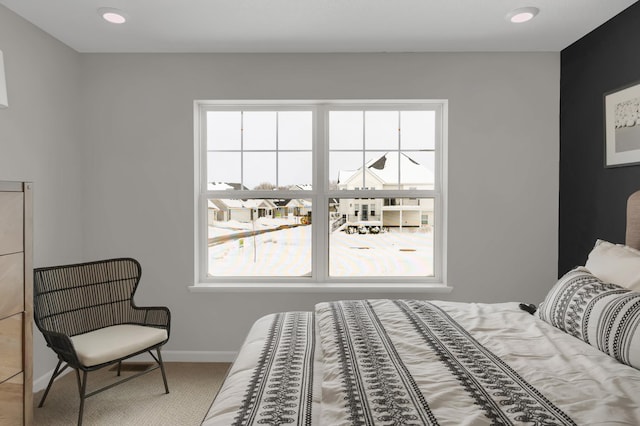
[[195, 356], [168, 356], [41, 382]]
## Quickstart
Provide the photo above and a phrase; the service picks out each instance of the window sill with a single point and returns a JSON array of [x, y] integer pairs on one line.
[[320, 288]]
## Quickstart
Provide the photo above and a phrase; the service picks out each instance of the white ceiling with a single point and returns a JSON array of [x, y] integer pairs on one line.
[[316, 25]]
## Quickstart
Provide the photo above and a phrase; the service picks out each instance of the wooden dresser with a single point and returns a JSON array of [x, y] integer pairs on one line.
[[16, 303]]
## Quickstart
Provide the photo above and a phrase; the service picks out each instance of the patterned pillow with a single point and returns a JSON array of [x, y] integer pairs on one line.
[[604, 315]]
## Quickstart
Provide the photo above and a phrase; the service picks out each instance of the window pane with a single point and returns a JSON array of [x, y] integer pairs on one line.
[[223, 167], [295, 130], [345, 129], [381, 130], [275, 150], [381, 237], [418, 129], [223, 130], [381, 170], [345, 170], [259, 237], [259, 170], [417, 169], [294, 170], [259, 130]]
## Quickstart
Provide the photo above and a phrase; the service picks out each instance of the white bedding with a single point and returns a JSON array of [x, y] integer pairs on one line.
[[416, 362]]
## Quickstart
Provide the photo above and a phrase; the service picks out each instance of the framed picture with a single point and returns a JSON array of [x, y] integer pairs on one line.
[[622, 126]]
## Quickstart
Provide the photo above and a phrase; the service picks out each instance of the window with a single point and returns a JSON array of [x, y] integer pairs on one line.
[[320, 192]]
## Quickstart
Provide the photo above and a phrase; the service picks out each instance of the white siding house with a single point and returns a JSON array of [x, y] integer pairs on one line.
[[384, 172]]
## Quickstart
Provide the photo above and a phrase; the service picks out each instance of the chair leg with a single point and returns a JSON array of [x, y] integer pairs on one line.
[[119, 367], [82, 388], [164, 376], [53, 377]]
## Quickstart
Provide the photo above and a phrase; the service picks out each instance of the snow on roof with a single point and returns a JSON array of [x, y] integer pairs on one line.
[[223, 186], [259, 202], [299, 202], [233, 203], [218, 186], [385, 167], [345, 175]]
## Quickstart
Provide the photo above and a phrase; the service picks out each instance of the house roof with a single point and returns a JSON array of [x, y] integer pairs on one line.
[[218, 186], [234, 203], [385, 168], [223, 186]]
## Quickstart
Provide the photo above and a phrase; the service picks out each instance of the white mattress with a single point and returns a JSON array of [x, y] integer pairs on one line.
[[416, 362]]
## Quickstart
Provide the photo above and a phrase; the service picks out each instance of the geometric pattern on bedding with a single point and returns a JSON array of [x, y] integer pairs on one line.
[[281, 385], [604, 315], [503, 395], [378, 388]]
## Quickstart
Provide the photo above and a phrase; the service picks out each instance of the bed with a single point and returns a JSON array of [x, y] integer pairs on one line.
[[575, 360]]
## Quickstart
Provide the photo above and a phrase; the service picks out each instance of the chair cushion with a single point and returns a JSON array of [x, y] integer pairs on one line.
[[117, 341]]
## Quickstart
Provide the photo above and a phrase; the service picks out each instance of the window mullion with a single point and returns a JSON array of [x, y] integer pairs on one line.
[[399, 149], [201, 201], [321, 186], [277, 152], [364, 148], [241, 149]]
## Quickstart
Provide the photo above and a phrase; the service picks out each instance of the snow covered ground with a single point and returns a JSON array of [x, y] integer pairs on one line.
[[393, 253], [279, 253], [231, 226], [287, 252]]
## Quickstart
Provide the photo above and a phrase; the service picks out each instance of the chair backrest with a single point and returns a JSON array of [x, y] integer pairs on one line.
[[76, 299]]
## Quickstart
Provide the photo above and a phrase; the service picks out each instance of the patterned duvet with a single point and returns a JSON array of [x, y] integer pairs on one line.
[[410, 362]]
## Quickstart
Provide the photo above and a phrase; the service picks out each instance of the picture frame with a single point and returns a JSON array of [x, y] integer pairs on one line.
[[622, 126]]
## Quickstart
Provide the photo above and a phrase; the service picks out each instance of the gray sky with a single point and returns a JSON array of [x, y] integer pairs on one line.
[[282, 148]]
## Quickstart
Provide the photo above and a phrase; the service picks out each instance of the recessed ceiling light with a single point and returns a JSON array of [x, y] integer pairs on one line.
[[111, 15], [523, 14]]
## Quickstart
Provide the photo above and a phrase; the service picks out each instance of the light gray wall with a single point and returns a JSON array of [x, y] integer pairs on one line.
[[40, 142], [108, 141], [503, 167]]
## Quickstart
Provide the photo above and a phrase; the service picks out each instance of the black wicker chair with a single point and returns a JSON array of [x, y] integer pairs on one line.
[[87, 316]]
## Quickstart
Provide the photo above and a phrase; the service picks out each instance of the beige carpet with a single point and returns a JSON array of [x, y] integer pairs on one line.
[[140, 401]]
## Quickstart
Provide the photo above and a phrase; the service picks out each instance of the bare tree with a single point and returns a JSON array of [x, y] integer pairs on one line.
[[265, 186]]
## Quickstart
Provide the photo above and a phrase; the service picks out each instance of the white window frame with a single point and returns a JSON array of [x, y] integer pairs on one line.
[[320, 194]]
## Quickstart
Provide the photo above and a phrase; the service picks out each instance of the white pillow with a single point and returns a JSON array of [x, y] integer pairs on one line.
[[616, 264]]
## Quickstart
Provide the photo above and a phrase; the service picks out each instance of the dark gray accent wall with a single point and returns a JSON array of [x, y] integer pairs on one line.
[[592, 197]]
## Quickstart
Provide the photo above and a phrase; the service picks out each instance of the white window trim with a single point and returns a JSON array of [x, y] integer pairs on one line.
[[320, 282]]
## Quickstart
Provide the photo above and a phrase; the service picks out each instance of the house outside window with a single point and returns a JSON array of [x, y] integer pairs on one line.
[[320, 192]]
